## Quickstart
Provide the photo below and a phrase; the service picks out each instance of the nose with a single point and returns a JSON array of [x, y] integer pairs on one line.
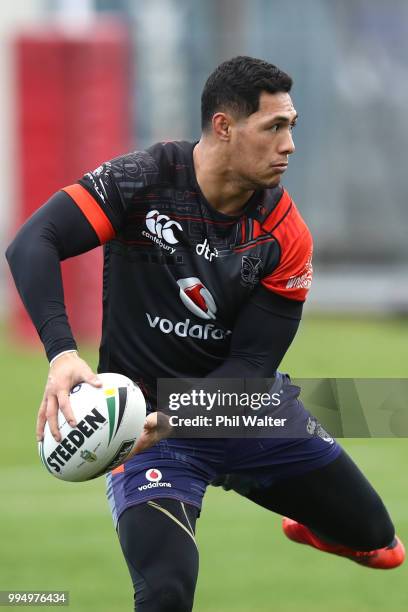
[[287, 145]]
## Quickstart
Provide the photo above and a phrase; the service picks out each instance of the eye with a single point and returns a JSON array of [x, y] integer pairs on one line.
[[277, 126]]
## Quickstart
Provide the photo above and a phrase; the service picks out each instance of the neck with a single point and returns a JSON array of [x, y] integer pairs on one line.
[[216, 180]]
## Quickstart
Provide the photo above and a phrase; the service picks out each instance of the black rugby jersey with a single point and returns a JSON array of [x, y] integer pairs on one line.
[[177, 271]]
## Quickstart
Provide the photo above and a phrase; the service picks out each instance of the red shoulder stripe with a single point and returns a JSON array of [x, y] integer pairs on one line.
[[92, 211]]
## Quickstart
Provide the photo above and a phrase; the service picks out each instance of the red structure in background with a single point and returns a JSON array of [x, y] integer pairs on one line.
[[73, 112]]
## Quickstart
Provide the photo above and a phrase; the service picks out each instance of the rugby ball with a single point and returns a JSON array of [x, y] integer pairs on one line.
[[109, 421]]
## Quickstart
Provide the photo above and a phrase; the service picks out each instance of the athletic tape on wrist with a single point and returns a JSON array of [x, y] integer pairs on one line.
[[60, 355]]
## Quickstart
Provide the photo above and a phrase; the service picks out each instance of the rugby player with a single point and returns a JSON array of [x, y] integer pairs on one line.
[[207, 267]]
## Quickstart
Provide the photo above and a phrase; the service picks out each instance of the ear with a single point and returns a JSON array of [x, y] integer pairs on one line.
[[221, 123]]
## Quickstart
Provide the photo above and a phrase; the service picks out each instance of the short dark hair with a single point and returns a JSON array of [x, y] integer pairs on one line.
[[236, 85]]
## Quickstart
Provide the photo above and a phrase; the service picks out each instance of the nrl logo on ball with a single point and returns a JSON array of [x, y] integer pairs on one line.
[[88, 455]]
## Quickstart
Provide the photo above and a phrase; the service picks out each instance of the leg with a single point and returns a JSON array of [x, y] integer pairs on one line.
[[155, 499], [312, 480], [336, 502], [336, 510], [157, 540]]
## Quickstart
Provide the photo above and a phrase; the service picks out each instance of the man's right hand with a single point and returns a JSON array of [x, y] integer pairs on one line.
[[66, 371]]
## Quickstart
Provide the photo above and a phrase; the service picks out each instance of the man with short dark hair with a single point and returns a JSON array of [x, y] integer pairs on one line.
[[196, 232]]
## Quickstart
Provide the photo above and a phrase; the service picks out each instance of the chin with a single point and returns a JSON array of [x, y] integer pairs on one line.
[[269, 183], [257, 182]]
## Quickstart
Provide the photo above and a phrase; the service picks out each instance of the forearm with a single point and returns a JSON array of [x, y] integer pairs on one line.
[[35, 267], [55, 232], [259, 342]]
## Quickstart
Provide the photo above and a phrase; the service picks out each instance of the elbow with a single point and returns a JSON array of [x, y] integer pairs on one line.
[[16, 259], [11, 253], [20, 253]]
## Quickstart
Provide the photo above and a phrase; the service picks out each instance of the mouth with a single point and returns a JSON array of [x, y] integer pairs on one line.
[[280, 167]]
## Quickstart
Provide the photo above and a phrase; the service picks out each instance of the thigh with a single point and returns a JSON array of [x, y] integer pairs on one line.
[[158, 542], [336, 501], [174, 469]]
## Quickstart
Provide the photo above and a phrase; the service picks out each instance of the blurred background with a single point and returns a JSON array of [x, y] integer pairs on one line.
[[84, 80]]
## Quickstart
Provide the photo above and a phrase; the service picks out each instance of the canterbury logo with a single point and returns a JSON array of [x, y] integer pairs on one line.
[[161, 230], [196, 297], [162, 226]]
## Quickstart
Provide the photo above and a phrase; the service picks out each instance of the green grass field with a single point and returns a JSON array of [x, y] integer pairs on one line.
[[59, 536]]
